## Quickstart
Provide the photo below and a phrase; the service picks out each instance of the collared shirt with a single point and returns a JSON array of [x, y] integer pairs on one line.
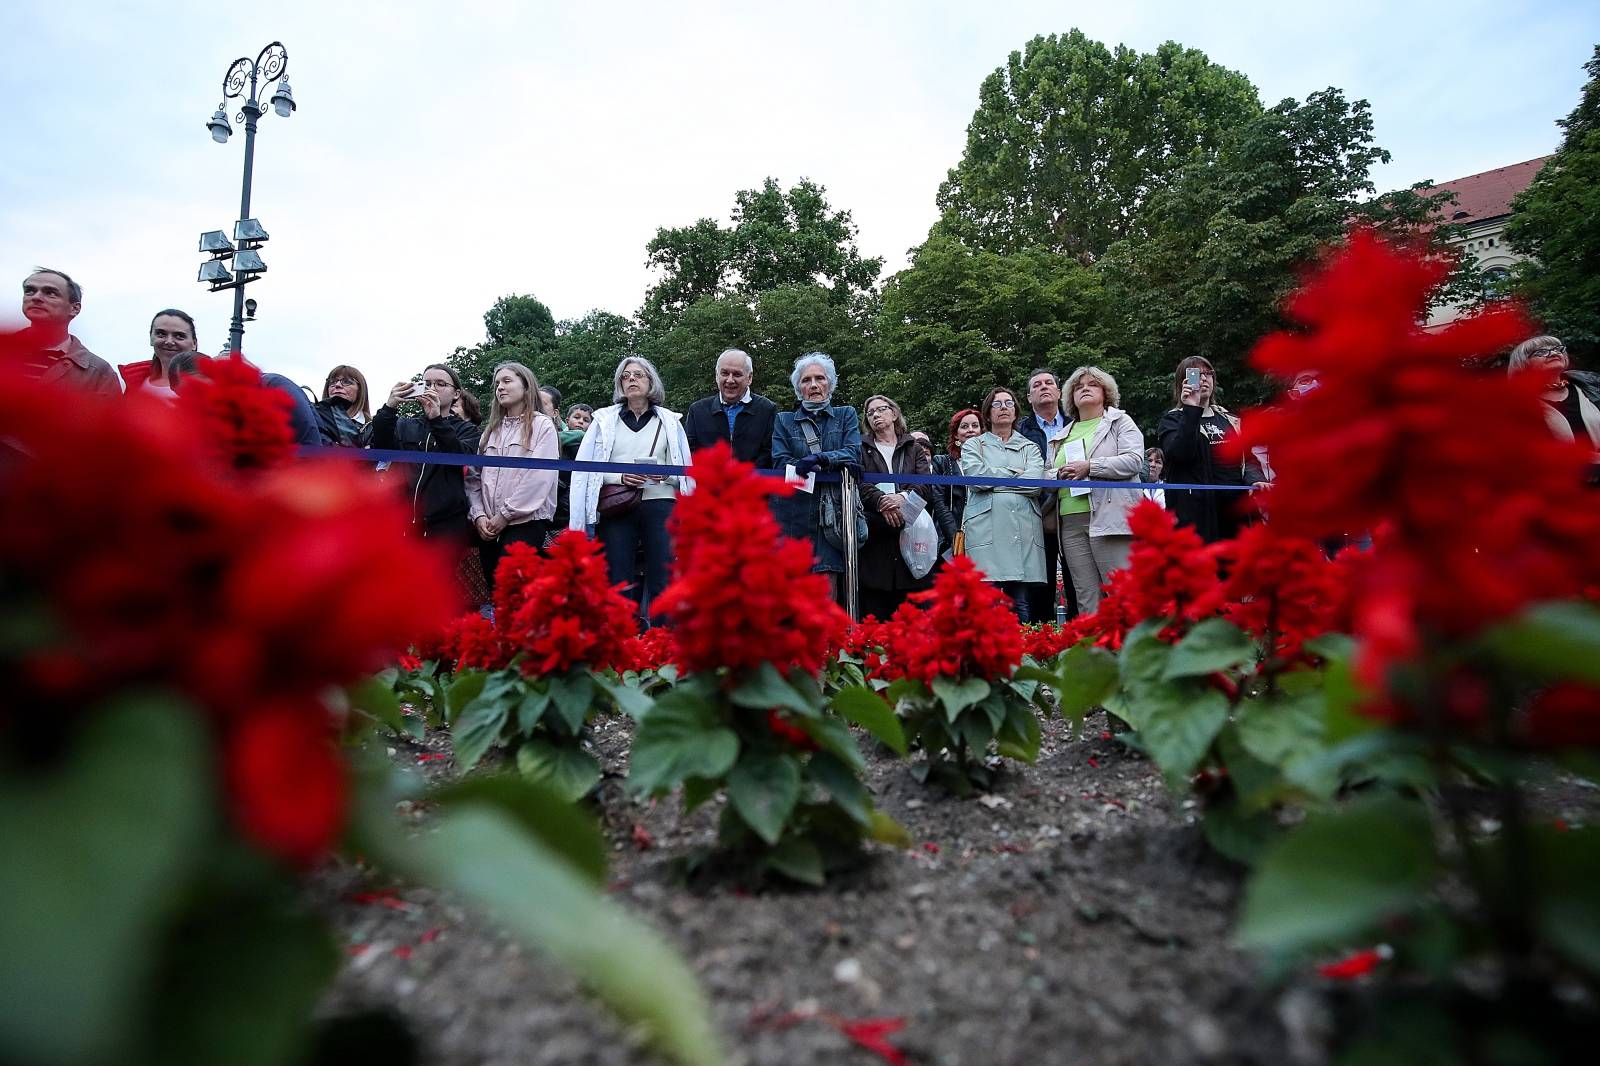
[[1052, 428], [732, 410]]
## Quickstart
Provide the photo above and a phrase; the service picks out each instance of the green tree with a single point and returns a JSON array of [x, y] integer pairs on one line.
[[777, 239], [1071, 139], [584, 357], [959, 320], [518, 329], [1223, 245], [776, 327], [1556, 220]]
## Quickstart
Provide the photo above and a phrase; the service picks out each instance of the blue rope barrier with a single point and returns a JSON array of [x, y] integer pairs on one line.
[[384, 455]]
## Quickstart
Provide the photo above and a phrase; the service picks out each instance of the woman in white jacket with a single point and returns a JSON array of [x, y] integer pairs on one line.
[[1093, 526], [629, 512]]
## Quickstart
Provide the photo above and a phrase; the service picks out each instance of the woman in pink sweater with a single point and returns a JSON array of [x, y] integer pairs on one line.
[[510, 505]]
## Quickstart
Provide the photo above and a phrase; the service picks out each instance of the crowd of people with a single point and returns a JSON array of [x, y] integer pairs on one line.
[[1049, 549]]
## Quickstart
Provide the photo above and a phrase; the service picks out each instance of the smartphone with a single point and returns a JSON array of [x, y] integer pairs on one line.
[[1191, 377], [649, 460], [417, 391]]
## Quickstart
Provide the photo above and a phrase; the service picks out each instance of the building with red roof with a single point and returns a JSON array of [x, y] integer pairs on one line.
[[1483, 206]]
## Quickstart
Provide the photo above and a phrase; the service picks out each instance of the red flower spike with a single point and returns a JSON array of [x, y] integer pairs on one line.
[[286, 782], [246, 423], [962, 627], [742, 595]]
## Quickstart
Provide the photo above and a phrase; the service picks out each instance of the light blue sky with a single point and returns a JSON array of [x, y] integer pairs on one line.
[[444, 154]]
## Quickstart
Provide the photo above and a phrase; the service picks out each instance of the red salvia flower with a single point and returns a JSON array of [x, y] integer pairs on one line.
[[558, 610], [1279, 588], [286, 780], [961, 627], [741, 594]]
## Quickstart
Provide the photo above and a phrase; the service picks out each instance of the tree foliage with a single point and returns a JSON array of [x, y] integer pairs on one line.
[[1225, 242], [585, 355], [1071, 139], [777, 239], [960, 320], [517, 329], [1557, 223]]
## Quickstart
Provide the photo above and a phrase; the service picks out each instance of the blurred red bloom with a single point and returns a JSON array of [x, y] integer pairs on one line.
[[244, 422], [741, 594], [286, 780], [558, 610], [1563, 716], [1277, 588], [245, 596]]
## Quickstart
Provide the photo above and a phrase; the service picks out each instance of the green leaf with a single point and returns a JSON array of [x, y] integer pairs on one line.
[[696, 790], [764, 787], [630, 699], [1237, 834], [764, 689], [905, 688], [557, 823], [1568, 903], [1334, 647], [864, 707], [1554, 640], [1210, 646], [1088, 675], [476, 729], [484, 857], [1179, 726], [241, 978], [1019, 735], [467, 686], [680, 737], [378, 699], [834, 736], [569, 770], [572, 694], [957, 696], [99, 855], [1339, 876], [1258, 784], [842, 784], [530, 709], [799, 860], [975, 728], [885, 830], [1283, 730]]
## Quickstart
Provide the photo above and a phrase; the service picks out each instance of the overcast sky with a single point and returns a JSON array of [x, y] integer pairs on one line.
[[445, 154]]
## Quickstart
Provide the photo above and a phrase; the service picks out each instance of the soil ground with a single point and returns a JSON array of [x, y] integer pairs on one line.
[[1074, 915]]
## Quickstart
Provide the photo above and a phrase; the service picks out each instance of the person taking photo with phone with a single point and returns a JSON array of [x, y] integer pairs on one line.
[[436, 491], [1189, 436]]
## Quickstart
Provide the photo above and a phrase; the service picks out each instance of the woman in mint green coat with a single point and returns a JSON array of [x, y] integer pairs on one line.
[[1003, 529]]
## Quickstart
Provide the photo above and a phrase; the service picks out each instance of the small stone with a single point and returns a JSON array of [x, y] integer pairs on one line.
[[994, 802], [920, 889], [1207, 1038], [913, 804], [847, 971], [905, 941]]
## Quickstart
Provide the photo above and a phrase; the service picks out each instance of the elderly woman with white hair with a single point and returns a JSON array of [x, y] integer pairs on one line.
[[815, 436], [1571, 397], [1098, 443], [629, 512]]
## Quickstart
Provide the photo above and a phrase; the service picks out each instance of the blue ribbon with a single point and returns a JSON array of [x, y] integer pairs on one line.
[[384, 455]]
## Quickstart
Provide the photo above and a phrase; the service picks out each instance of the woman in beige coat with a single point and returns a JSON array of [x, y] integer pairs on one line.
[[1093, 526], [1002, 526]]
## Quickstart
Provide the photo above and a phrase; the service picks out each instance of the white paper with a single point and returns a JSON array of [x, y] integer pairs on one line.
[[1073, 451], [804, 484], [911, 505]]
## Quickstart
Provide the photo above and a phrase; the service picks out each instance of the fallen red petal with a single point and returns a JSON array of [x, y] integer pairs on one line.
[[403, 951], [1352, 966], [642, 838], [872, 1034]]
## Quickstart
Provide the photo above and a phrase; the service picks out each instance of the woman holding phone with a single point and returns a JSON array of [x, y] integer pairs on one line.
[[1189, 436]]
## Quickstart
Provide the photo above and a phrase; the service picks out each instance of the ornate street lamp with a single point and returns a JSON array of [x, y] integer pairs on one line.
[[245, 80]]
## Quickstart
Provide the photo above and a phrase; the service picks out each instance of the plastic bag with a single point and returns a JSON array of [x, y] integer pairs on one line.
[[919, 544]]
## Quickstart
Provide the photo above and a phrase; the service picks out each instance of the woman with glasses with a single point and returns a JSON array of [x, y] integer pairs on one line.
[[343, 412], [890, 449], [1571, 397], [1190, 437], [629, 512], [437, 491], [1002, 526]]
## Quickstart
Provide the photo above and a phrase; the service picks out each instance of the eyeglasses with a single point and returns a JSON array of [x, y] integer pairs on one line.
[[1548, 353], [1001, 405], [342, 381]]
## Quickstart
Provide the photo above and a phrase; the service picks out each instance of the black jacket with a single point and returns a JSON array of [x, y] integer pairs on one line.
[[881, 566], [1029, 427], [1191, 458], [336, 426], [437, 491], [705, 424]]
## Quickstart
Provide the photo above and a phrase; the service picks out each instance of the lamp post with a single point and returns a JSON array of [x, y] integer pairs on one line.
[[245, 80]]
